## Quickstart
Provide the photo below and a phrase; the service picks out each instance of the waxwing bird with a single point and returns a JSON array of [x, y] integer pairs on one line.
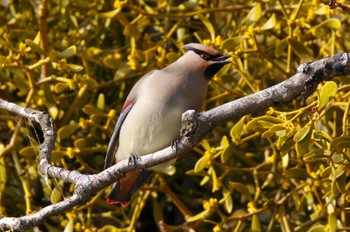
[[151, 116]]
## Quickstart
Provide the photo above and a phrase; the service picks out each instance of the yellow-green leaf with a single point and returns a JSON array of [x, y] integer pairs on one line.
[[70, 226], [334, 189], [101, 101], [281, 133], [91, 82], [67, 131], [21, 83], [204, 180], [37, 38], [281, 47], [188, 5], [90, 110], [60, 87], [96, 118], [332, 23], [326, 172], [347, 198], [112, 62], [256, 226], [122, 72], [208, 25], [337, 158], [263, 122], [272, 130], [30, 151], [323, 9], [56, 195], [109, 14], [53, 110], [228, 203], [227, 153], [317, 228], [243, 189], [214, 179], [80, 143], [343, 144], [299, 49], [68, 52], [332, 222], [169, 170], [74, 21], [231, 43], [237, 130], [340, 143], [302, 133], [35, 47], [337, 172], [172, 56], [327, 92], [109, 228], [56, 155], [224, 142], [130, 29], [341, 183], [285, 144], [205, 144], [302, 147], [74, 67], [3, 174], [254, 14], [202, 215], [296, 173], [268, 180], [285, 161], [202, 163], [319, 134], [271, 23]]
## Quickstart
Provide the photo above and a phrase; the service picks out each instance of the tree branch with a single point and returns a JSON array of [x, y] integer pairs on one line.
[[195, 127]]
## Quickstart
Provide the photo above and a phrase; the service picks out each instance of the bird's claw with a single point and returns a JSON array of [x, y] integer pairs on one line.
[[133, 160], [174, 144]]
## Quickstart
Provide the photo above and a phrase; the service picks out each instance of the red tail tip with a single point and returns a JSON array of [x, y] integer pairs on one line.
[[117, 202]]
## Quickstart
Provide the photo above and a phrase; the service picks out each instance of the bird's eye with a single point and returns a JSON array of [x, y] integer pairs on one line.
[[204, 56]]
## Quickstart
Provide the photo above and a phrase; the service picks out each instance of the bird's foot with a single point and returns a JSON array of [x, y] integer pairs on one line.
[[174, 145], [133, 160]]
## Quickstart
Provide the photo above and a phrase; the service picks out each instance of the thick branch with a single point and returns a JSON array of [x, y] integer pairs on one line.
[[195, 127], [303, 84]]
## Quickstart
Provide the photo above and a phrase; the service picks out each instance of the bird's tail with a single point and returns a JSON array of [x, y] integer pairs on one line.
[[123, 190]]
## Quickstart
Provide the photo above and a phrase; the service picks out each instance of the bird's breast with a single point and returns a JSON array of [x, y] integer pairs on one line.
[[148, 128]]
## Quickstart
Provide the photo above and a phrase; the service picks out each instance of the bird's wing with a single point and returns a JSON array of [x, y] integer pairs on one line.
[[129, 103], [112, 146]]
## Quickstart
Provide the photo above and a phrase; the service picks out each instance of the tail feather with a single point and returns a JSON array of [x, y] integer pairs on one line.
[[123, 190]]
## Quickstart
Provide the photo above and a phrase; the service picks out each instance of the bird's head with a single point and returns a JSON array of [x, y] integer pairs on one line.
[[208, 58]]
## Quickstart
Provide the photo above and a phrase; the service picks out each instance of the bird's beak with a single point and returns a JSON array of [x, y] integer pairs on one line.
[[222, 59]]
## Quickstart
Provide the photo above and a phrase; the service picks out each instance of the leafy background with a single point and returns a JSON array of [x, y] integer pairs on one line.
[[283, 170]]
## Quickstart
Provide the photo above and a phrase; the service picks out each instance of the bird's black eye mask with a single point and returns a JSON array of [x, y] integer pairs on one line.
[[204, 55]]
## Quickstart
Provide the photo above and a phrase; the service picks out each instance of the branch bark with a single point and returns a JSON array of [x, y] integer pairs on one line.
[[195, 127]]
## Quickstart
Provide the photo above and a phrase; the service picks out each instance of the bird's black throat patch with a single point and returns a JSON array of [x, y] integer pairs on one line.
[[213, 69]]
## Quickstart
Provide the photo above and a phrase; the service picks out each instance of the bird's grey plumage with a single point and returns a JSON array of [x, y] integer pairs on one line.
[[151, 117]]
